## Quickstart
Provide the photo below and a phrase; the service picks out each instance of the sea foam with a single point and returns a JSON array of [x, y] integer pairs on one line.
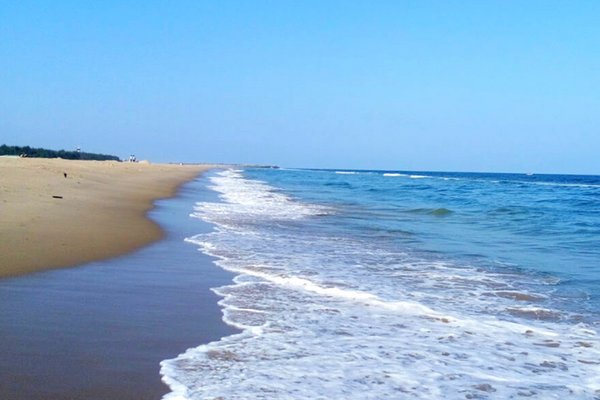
[[331, 316]]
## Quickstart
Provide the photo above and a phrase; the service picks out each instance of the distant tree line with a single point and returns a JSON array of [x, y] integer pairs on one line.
[[27, 151]]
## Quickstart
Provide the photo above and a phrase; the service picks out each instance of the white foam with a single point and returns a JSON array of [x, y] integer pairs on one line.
[[346, 172], [341, 317], [393, 174], [252, 200]]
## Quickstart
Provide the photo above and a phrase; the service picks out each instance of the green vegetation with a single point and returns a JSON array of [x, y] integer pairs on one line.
[[27, 151]]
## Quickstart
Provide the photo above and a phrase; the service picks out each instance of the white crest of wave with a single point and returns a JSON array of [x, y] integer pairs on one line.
[[245, 199]]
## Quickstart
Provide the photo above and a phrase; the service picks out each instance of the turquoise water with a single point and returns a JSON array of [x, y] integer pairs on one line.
[[375, 284]]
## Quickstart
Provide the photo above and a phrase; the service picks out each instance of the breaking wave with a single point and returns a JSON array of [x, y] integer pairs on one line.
[[324, 314]]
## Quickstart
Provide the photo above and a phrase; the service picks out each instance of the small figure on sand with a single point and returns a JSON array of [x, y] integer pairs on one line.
[[132, 158]]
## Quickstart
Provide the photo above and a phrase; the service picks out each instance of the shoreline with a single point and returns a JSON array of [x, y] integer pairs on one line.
[[101, 330], [62, 213]]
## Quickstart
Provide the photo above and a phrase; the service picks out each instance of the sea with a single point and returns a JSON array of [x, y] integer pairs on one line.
[[399, 285]]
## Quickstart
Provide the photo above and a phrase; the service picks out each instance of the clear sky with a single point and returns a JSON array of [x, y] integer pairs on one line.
[[502, 86]]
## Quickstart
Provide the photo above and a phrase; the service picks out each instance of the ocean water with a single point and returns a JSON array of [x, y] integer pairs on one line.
[[400, 285]]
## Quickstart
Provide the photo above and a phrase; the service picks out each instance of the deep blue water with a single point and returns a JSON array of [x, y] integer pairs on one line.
[[395, 284]]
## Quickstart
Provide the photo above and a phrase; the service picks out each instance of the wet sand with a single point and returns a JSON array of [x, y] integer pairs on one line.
[[60, 213], [99, 331]]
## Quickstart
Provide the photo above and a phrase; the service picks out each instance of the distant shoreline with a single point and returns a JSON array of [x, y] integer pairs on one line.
[[60, 213]]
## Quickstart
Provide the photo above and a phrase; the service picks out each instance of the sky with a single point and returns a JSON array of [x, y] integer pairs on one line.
[[490, 86]]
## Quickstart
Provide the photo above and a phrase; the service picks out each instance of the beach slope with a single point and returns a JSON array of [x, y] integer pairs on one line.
[[59, 213]]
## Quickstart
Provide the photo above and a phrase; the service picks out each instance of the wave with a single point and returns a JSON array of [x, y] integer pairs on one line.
[[440, 212], [391, 231], [339, 184], [410, 176], [527, 183], [252, 201], [508, 210], [582, 185], [332, 315], [346, 172]]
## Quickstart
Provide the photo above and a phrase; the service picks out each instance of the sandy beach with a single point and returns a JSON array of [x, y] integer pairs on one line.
[[100, 331], [60, 213]]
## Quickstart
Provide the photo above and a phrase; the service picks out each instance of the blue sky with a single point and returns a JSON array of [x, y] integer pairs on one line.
[[502, 86]]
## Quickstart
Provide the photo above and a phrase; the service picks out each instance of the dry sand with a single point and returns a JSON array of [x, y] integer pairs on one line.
[[102, 212]]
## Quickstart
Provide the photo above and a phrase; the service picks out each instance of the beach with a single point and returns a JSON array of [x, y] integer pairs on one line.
[[298, 284], [61, 213], [100, 331]]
